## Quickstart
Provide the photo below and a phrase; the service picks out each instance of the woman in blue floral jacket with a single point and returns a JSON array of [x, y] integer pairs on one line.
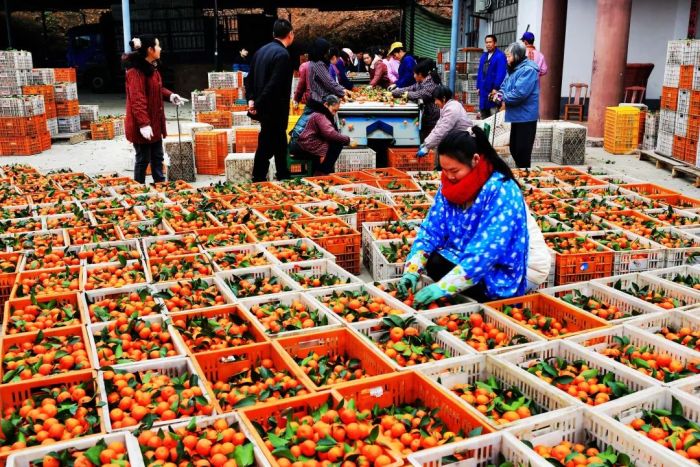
[[475, 237]]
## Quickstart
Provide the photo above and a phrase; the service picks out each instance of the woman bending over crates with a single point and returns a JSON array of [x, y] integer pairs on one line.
[[475, 238], [145, 117]]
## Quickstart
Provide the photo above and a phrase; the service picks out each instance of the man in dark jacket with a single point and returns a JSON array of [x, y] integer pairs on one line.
[[492, 72], [267, 88]]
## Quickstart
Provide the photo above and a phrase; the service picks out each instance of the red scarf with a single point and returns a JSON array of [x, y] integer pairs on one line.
[[466, 190]]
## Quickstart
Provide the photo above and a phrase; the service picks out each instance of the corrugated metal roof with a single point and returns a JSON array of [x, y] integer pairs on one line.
[[430, 32]]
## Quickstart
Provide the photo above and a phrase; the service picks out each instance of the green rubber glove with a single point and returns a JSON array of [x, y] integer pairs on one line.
[[408, 280], [429, 294]]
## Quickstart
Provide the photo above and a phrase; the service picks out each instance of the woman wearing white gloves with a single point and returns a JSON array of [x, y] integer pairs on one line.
[[145, 117]]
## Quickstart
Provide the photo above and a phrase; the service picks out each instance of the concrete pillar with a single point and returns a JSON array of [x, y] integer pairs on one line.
[[612, 31], [552, 40]]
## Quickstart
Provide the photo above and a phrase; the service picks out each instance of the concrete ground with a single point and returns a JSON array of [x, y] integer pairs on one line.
[[117, 155]]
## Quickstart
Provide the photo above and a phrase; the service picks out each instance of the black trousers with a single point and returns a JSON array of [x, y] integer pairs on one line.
[[437, 267], [326, 167], [272, 142], [522, 138], [149, 153]]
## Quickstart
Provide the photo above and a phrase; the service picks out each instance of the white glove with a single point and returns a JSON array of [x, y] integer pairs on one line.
[[147, 132], [177, 100]]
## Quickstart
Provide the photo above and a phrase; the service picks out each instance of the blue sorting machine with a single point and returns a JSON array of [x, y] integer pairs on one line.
[[362, 121]]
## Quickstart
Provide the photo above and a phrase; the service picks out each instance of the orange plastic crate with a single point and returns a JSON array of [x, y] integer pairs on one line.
[[694, 110], [67, 108], [22, 126], [226, 100], [20, 339], [678, 201], [64, 75], [679, 145], [247, 140], [336, 342], [221, 365], [409, 387], [62, 299], [669, 98], [693, 127], [46, 90], [648, 189], [49, 272], [691, 151], [577, 321], [210, 151], [406, 159], [103, 130], [397, 185], [686, 76], [346, 248], [50, 108], [219, 312], [7, 279], [581, 266], [386, 172], [219, 119], [13, 395], [356, 177], [21, 146]]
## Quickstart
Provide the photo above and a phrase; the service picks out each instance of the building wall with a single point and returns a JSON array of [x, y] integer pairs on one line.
[[653, 24]]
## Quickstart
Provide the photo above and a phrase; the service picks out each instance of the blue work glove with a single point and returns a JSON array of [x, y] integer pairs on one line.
[[429, 294], [408, 280], [422, 151]]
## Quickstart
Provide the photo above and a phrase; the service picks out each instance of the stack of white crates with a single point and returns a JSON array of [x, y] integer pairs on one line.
[[15, 71], [651, 129], [467, 65]]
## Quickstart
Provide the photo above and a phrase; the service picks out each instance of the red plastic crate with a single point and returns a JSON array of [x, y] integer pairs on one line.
[[21, 146], [64, 75], [691, 151], [679, 145], [694, 103], [406, 159], [103, 130], [12, 127]]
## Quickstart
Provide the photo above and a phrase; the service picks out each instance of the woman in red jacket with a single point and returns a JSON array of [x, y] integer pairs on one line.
[[145, 118]]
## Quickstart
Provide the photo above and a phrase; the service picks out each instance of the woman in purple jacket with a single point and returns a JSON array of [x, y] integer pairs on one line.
[[317, 138]]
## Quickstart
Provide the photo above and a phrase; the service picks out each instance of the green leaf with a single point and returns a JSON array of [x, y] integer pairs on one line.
[[276, 441], [93, 454], [243, 455]]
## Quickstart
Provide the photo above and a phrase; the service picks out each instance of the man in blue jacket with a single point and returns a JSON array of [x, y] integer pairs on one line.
[[492, 71]]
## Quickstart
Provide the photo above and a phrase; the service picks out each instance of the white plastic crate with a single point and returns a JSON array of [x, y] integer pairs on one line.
[[471, 369], [477, 452], [681, 256], [599, 340], [673, 319], [287, 299], [683, 101], [203, 101], [65, 92], [692, 219], [125, 245], [173, 367], [373, 329], [16, 242], [685, 297], [350, 219], [382, 269], [317, 268], [89, 113], [651, 256], [22, 106], [502, 129], [253, 273], [667, 121], [178, 345], [248, 249], [215, 281], [68, 124], [669, 273], [310, 245], [368, 238], [26, 457], [628, 306], [42, 76], [580, 426], [681, 125], [672, 75], [181, 238], [524, 357], [92, 267], [225, 79], [664, 143], [93, 296], [622, 412], [523, 336], [460, 300], [352, 159], [322, 294], [16, 59], [52, 126], [242, 119]]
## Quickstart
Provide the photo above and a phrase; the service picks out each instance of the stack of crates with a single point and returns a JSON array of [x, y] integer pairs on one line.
[[47, 91], [229, 89], [467, 65], [651, 129], [621, 130], [679, 117], [67, 105], [15, 71], [23, 130], [88, 115]]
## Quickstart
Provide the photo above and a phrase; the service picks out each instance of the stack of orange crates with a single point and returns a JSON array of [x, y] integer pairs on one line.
[[210, 151], [47, 91], [218, 119], [24, 136]]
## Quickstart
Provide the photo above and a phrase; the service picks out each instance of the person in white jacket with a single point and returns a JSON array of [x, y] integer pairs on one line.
[[539, 258], [452, 117]]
